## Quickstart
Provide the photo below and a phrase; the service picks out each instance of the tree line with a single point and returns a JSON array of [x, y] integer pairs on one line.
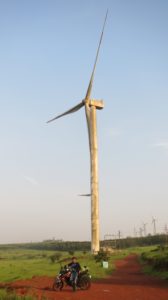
[[122, 243]]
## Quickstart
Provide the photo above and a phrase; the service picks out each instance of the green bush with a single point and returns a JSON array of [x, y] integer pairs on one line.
[[71, 252], [55, 257], [102, 256], [157, 258]]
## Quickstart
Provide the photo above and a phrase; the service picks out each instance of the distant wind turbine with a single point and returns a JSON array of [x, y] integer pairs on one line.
[[135, 232], [144, 228], [91, 106], [154, 225]]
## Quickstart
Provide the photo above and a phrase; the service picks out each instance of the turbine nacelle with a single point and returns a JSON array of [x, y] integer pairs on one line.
[[99, 104]]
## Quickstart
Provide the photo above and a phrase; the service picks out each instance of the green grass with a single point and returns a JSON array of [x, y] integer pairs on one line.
[[140, 250], [17, 264], [150, 271], [24, 264], [155, 261], [4, 295]]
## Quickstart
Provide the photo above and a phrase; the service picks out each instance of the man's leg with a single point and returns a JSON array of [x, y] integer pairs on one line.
[[74, 277]]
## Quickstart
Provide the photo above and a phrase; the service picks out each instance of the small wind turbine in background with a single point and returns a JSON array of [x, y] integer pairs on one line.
[[154, 225], [91, 105]]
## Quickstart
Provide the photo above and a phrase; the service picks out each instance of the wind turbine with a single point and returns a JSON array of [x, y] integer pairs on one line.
[[154, 225], [91, 105]]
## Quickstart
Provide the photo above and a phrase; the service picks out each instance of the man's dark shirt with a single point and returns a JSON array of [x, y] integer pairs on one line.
[[76, 266]]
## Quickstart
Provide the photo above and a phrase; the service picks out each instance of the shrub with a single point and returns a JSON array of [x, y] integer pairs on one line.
[[55, 257], [102, 256], [71, 252], [157, 259]]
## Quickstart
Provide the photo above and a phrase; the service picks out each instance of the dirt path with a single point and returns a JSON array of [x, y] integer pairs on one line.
[[126, 283]]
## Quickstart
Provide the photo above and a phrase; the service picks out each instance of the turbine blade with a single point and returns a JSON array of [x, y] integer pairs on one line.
[[70, 111], [97, 54], [85, 195]]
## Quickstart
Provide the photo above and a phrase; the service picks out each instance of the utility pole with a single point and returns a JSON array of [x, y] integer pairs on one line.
[[135, 232], [119, 234], [119, 238], [144, 228]]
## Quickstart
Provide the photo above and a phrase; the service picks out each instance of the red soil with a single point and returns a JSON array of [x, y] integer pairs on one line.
[[126, 283]]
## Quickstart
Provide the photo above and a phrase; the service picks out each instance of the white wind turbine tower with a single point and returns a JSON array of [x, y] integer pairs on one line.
[[91, 105], [154, 225]]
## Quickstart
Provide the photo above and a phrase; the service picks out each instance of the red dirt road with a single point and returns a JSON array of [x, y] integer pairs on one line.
[[126, 283]]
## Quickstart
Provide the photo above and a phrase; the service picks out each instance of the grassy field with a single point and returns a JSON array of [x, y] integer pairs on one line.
[[16, 264], [24, 264]]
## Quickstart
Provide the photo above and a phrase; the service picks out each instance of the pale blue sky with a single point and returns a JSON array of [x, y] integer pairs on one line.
[[47, 49]]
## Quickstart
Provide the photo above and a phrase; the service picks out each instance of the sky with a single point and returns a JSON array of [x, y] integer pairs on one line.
[[47, 50]]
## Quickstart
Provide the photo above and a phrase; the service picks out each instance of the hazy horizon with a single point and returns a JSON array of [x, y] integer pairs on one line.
[[47, 54]]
